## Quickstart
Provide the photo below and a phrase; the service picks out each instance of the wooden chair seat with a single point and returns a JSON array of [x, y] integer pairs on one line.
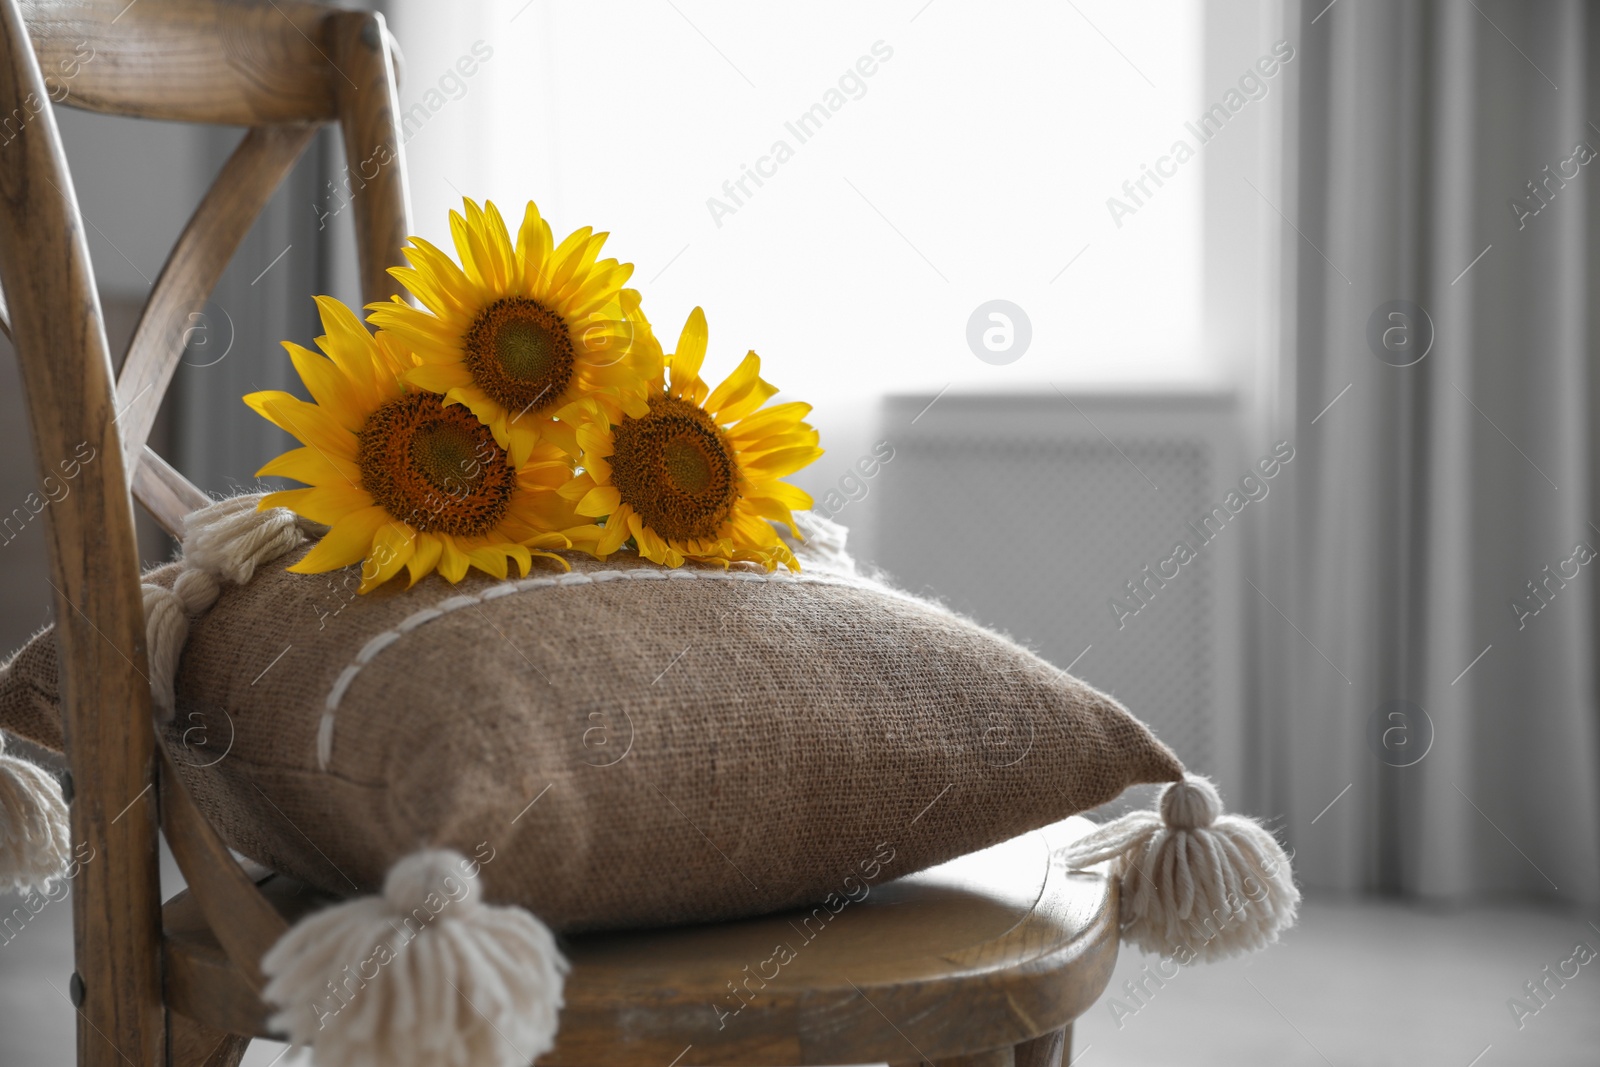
[[999, 949]]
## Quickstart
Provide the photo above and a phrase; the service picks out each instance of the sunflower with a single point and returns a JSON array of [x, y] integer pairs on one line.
[[401, 478], [518, 335], [696, 476]]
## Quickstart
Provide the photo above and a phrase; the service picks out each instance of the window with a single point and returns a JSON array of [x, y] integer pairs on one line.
[[839, 186]]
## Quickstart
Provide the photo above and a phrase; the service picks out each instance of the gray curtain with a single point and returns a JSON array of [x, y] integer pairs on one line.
[[1429, 496]]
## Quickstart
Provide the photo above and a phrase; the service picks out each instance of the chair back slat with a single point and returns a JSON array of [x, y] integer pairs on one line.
[[231, 63], [367, 102], [167, 495]]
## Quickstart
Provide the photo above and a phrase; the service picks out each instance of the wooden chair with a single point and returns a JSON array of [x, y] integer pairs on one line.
[[983, 961]]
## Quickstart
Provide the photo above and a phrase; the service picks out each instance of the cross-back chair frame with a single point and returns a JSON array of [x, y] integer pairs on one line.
[[282, 68]]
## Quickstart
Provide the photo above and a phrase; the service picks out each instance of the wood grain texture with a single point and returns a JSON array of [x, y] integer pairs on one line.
[[978, 954], [375, 173], [201, 981], [94, 564], [264, 65], [192, 1044], [999, 1057], [246, 925], [1048, 1050], [960, 963], [231, 63], [167, 495], [243, 187]]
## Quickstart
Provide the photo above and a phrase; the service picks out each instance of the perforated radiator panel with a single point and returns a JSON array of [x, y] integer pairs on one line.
[[1022, 514]]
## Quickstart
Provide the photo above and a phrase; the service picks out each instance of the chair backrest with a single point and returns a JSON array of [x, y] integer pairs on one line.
[[281, 68]]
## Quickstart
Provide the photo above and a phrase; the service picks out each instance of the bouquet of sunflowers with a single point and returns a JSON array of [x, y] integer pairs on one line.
[[526, 407]]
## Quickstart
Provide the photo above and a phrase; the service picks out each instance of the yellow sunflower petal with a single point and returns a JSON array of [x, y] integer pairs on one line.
[[453, 563], [346, 401], [599, 468], [563, 436], [577, 488], [523, 557], [313, 425], [783, 461], [616, 532], [600, 501], [687, 357], [597, 292], [524, 433], [790, 496], [472, 252], [488, 412], [533, 250], [595, 440], [490, 559], [791, 439], [425, 558], [326, 504], [779, 418], [744, 375], [348, 541], [439, 377], [742, 393], [349, 342], [314, 467], [493, 228], [651, 546], [570, 254], [553, 539], [258, 402], [392, 548], [772, 511]]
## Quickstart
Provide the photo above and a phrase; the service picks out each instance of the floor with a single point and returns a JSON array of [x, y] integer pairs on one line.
[[1355, 985], [1364, 985]]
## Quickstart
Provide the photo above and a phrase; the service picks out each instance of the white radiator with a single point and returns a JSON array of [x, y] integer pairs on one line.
[[1033, 514]]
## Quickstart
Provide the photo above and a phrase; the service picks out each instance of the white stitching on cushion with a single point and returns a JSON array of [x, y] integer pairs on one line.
[[370, 650]]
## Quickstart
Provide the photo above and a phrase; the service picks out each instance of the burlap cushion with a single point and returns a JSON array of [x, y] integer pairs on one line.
[[623, 745]]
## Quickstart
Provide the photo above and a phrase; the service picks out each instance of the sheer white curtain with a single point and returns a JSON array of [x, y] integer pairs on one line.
[[1436, 545]]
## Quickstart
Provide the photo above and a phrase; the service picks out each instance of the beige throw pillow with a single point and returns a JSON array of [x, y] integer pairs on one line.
[[621, 745]]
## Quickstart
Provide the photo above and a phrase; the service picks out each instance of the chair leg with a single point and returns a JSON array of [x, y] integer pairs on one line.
[[1000, 1057], [192, 1044], [1050, 1050]]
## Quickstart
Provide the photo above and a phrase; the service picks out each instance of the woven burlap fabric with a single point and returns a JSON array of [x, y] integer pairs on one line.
[[629, 751]]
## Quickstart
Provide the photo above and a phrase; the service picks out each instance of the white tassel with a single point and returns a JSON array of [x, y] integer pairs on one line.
[[426, 975], [821, 545], [35, 833], [225, 541], [1195, 884], [232, 537]]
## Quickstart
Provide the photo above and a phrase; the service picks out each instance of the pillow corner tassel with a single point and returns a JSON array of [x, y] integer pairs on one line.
[[367, 981], [1196, 884], [225, 541], [35, 830]]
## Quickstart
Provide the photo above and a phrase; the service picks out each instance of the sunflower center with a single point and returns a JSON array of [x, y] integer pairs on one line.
[[674, 467], [435, 468], [688, 467], [520, 353], [443, 454]]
